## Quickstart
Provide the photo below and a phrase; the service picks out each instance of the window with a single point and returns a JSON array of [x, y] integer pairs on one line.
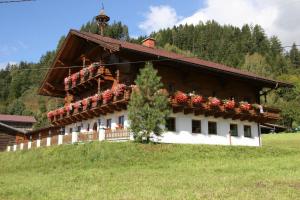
[[234, 130], [108, 123], [171, 124], [70, 131], [247, 131], [88, 127], [212, 128], [196, 126], [78, 129], [121, 120]]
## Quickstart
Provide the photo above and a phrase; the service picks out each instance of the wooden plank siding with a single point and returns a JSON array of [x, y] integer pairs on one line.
[[6, 139]]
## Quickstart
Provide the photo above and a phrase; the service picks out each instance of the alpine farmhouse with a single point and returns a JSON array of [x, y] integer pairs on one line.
[[211, 103]]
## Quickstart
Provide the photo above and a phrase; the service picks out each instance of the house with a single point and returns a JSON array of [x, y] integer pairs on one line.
[[95, 75], [13, 129], [24, 123]]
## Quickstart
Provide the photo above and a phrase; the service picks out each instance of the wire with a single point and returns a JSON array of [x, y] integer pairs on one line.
[[15, 1]]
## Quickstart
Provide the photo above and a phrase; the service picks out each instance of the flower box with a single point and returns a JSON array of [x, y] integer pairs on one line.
[[181, 98], [75, 78], [107, 96], [119, 90], [50, 115], [214, 102], [245, 106], [86, 103], [229, 104], [197, 100], [78, 105]]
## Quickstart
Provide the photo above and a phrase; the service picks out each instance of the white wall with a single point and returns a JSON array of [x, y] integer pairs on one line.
[[183, 132]]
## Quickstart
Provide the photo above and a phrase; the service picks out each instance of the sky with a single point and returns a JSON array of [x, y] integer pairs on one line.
[[29, 29]]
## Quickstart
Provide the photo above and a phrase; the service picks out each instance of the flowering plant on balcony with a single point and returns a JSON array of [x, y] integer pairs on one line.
[[95, 98], [107, 95], [74, 78], [119, 90], [197, 100], [245, 106], [61, 111], [50, 114], [77, 105], [181, 97], [67, 82], [86, 102], [229, 104], [214, 101], [69, 107]]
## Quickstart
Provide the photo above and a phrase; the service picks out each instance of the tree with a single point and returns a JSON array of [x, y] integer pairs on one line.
[[148, 106]]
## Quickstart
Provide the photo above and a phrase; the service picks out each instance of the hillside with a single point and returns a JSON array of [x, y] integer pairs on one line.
[[137, 171]]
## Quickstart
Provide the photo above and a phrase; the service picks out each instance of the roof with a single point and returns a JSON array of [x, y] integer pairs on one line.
[[115, 45], [11, 128], [17, 118], [43, 129], [174, 56]]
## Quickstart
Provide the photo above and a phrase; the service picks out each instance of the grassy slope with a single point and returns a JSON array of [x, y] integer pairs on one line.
[[136, 171]]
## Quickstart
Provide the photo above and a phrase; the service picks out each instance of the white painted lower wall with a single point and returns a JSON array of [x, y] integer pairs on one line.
[[183, 133]]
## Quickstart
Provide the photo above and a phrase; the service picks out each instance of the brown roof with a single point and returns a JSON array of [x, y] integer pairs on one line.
[[17, 118], [174, 56], [159, 55]]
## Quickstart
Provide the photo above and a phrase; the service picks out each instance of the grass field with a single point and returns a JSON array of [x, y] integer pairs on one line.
[[136, 171]]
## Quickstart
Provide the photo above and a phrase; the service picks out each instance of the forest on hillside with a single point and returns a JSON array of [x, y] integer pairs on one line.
[[247, 48]]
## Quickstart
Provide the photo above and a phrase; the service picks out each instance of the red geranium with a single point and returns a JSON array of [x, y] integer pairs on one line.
[[67, 79], [85, 101], [68, 108], [61, 111], [119, 89], [107, 95], [181, 97], [214, 101], [197, 100], [245, 106], [229, 104], [50, 114], [74, 77], [77, 104], [95, 98]]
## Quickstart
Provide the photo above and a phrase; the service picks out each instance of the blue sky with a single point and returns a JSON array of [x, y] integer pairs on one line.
[[30, 29]]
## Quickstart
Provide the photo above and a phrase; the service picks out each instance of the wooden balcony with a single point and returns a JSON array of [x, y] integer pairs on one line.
[[78, 113], [256, 114], [92, 79], [91, 110]]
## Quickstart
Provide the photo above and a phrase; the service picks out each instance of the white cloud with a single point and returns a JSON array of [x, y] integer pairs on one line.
[[277, 17], [159, 17]]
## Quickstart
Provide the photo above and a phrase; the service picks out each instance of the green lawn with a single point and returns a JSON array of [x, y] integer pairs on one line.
[[136, 171]]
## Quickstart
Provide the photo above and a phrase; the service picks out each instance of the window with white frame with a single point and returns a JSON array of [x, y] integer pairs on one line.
[[247, 131], [196, 126], [212, 128], [108, 123], [234, 130], [171, 124]]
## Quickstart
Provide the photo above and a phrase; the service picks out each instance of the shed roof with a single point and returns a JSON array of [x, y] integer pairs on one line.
[[17, 118], [5, 126]]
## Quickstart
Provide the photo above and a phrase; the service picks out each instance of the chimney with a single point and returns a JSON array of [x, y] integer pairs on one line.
[[149, 42]]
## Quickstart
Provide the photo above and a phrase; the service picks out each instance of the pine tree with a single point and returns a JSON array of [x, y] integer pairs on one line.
[[148, 106]]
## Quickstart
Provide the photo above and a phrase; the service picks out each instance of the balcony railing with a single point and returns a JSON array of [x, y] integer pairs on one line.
[[106, 102], [88, 76], [110, 101], [118, 134]]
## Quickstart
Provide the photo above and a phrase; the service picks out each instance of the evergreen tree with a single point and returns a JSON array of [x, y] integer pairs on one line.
[[148, 106]]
